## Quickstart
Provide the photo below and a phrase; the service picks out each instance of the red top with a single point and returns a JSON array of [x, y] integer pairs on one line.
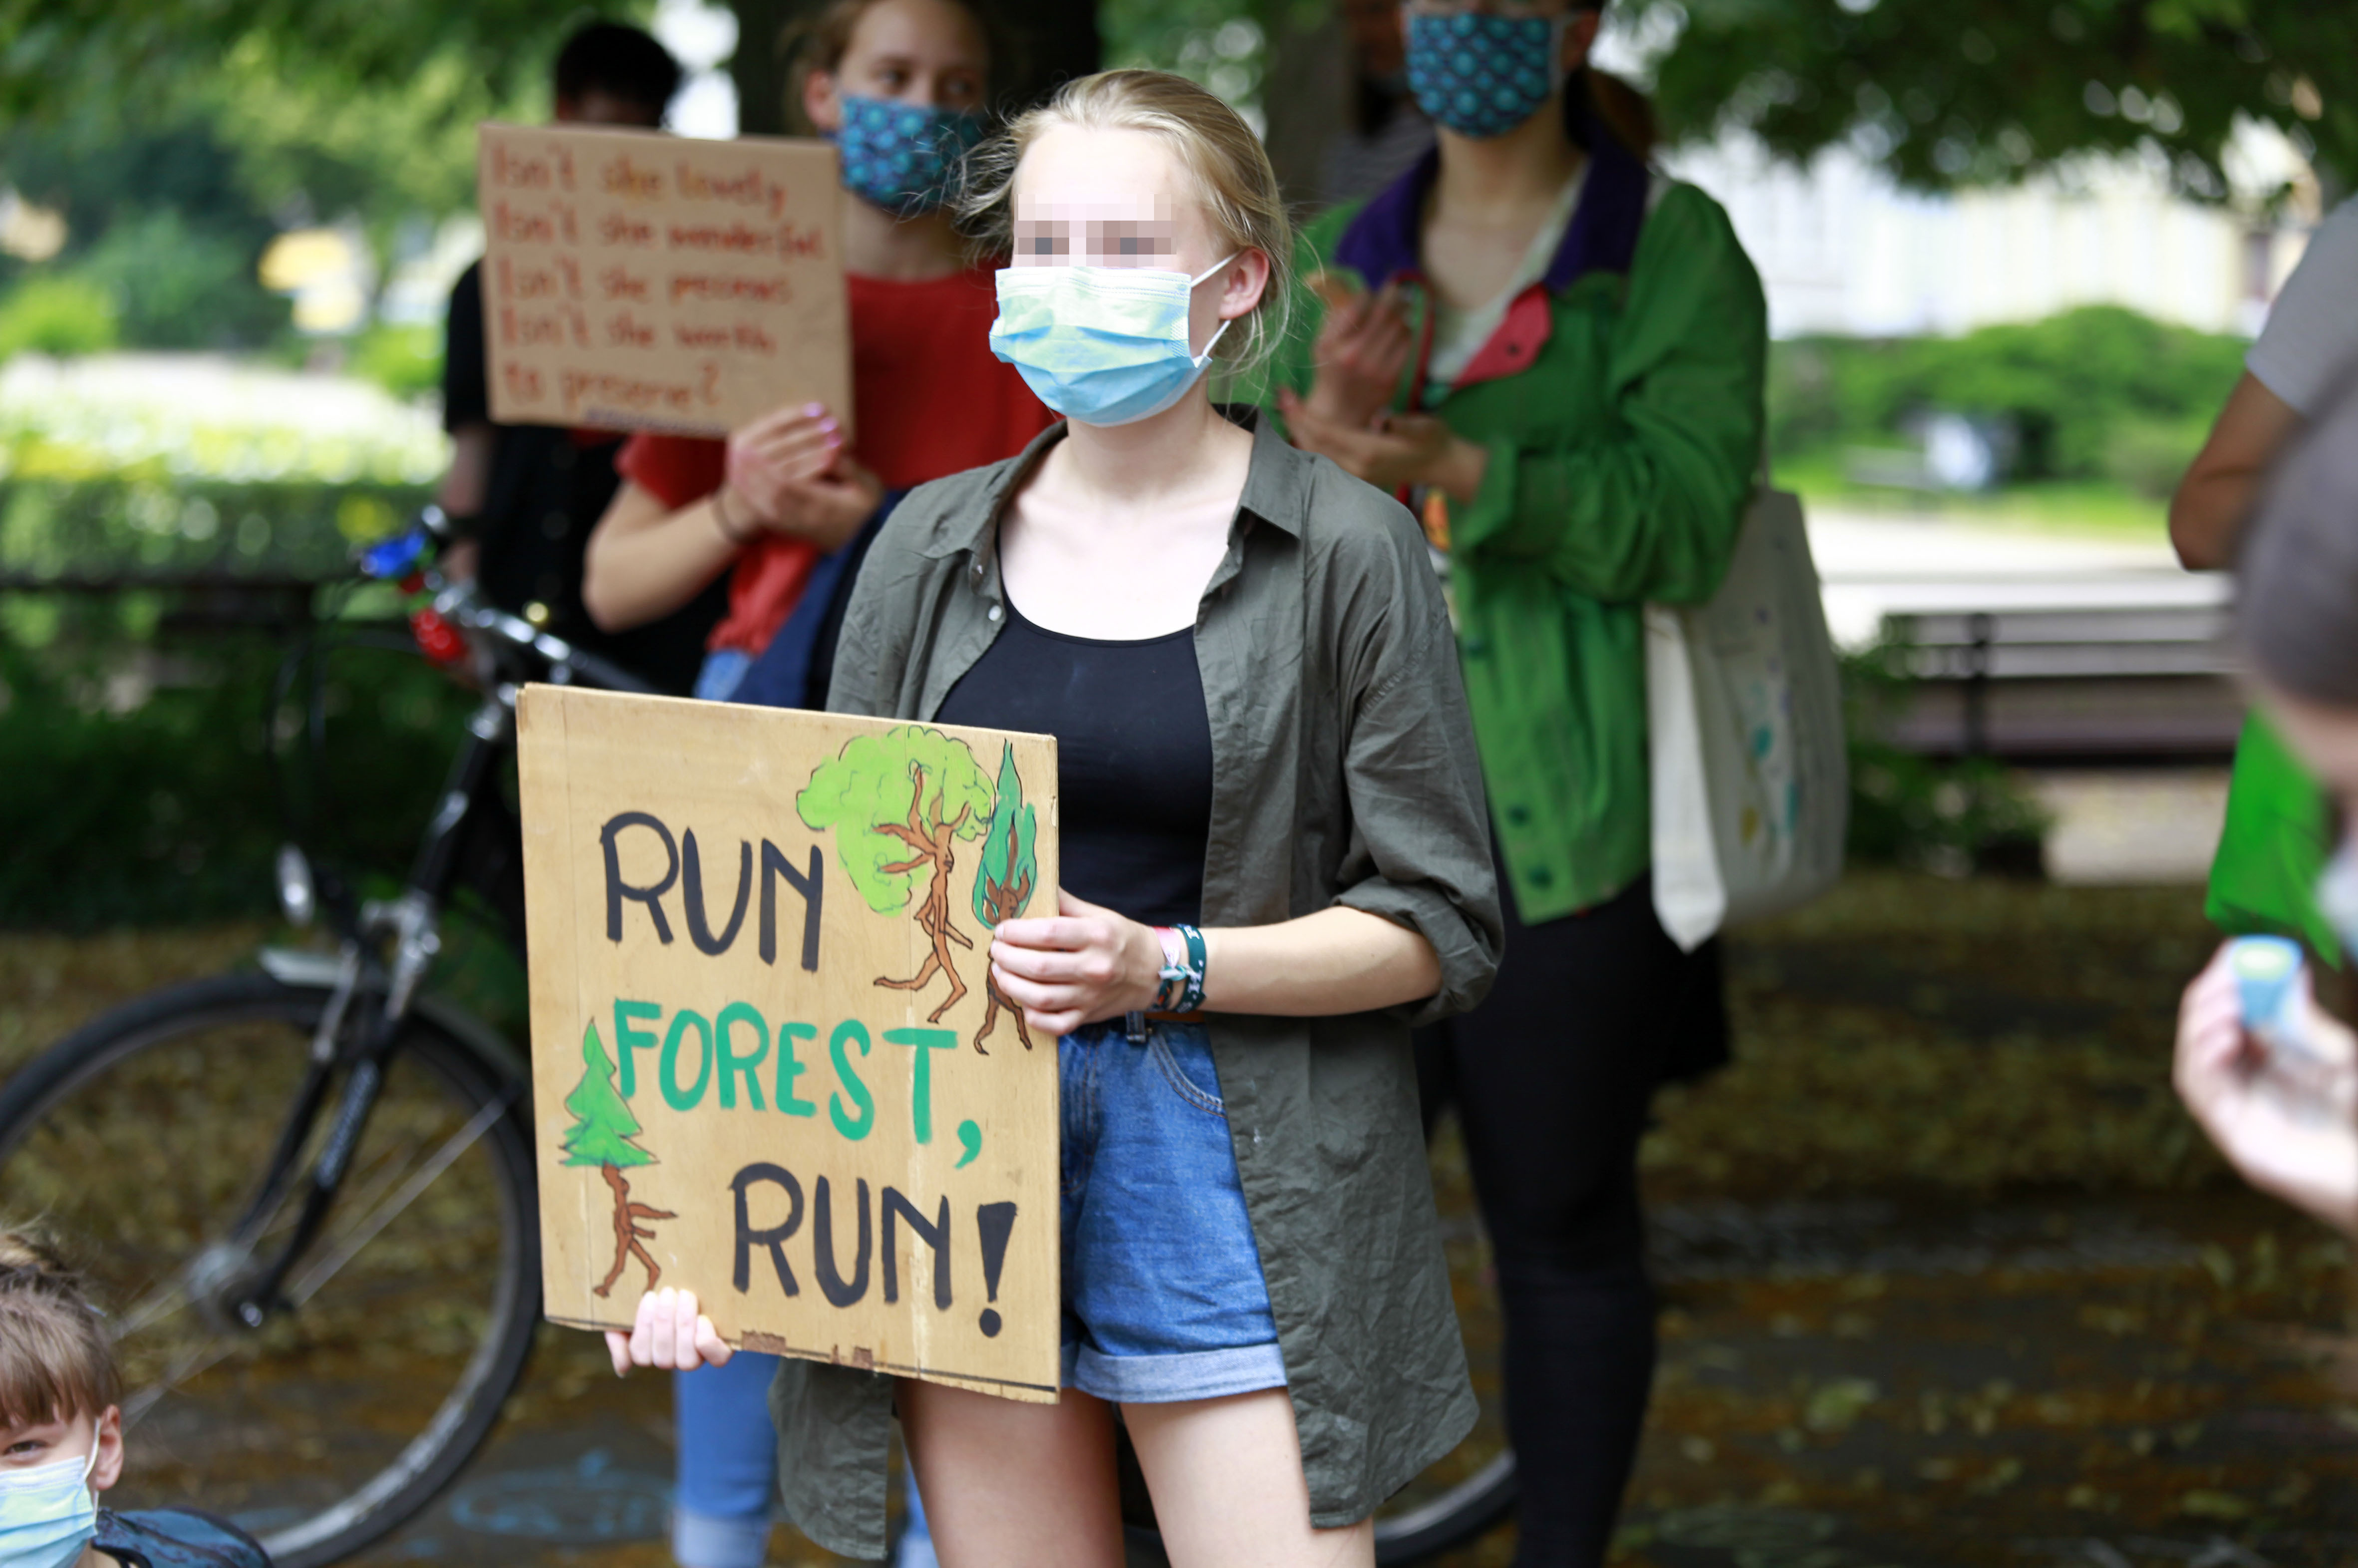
[[928, 398]]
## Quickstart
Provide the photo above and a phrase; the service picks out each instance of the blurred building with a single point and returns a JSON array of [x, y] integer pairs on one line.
[[1843, 249]]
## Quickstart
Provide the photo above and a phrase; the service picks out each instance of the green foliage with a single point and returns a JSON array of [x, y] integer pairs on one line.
[[1926, 814], [1010, 853], [47, 313], [2096, 391], [604, 1125], [179, 283], [118, 524], [1945, 93], [404, 361], [910, 776], [123, 805]]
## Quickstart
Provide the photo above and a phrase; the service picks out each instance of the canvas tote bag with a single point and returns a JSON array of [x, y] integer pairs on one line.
[[1751, 776]]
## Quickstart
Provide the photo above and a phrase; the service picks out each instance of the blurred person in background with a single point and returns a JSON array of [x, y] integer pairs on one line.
[[2282, 1103], [526, 497], [2277, 834], [900, 87], [1558, 355], [781, 511]]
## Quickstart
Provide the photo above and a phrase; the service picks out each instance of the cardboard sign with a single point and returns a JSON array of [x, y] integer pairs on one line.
[[769, 1064], [633, 281]]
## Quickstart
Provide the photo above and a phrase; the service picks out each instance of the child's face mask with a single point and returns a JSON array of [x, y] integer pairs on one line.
[[48, 1513]]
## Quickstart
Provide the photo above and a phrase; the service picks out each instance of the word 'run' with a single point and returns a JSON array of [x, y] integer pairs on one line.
[[684, 865], [844, 1286]]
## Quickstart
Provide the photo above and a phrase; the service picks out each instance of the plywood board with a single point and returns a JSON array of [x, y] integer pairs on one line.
[[768, 1063], [634, 281]]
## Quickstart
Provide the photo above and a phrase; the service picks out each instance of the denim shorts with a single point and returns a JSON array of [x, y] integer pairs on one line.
[[1164, 1294]]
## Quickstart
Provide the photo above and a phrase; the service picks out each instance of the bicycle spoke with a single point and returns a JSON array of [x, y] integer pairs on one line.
[[457, 1144], [180, 1371]]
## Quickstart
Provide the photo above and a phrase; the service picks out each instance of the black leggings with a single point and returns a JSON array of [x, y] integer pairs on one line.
[[1552, 1077]]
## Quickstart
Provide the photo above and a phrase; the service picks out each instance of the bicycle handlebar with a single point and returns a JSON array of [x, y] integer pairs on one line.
[[399, 557]]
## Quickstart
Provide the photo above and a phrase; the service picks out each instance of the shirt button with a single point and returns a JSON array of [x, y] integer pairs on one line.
[[992, 614], [978, 570], [1477, 647], [1541, 877], [1516, 815]]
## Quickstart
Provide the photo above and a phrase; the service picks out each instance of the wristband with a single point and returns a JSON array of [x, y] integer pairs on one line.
[[720, 519], [1182, 989]]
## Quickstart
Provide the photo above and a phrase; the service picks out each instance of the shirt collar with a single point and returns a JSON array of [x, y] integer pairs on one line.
[[1381, 242], [1277, 484]]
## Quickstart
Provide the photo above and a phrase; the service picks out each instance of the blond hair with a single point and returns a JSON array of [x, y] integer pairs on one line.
[[1237, 187], [56, 1362]]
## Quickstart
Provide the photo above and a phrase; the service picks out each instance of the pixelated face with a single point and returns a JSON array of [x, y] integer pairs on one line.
[[915, 51], [1108, 198]]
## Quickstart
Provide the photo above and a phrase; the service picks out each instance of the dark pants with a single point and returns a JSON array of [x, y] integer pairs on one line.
[[1552, 1077]]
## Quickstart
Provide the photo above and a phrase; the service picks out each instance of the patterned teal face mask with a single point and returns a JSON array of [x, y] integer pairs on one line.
[[1480, 74], [902, 156]]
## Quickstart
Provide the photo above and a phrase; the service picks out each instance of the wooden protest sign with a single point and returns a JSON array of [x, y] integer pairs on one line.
[[633, 281], [768, 1061]]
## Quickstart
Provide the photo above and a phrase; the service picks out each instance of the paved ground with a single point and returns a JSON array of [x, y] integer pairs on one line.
[[1948, 1280]]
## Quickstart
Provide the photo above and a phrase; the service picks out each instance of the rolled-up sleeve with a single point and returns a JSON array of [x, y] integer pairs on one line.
[[1419, 851]]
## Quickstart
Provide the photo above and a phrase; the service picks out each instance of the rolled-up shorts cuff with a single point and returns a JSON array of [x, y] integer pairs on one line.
[[718, 1541], [1167, 1379]]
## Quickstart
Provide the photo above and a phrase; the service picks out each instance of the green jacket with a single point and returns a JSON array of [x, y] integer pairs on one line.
[[1622, 456], [1342, 774]]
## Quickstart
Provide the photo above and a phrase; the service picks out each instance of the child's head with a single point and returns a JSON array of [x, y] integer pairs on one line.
[[1144, 169], [927, 53], [58, 1382]]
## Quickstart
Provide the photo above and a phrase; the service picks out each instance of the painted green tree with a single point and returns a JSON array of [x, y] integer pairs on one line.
[[1003, 882], [898, 803], [601, 1135]]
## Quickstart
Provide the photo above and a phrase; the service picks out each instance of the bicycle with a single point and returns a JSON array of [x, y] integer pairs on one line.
[[301, 1178], [297, 1176]]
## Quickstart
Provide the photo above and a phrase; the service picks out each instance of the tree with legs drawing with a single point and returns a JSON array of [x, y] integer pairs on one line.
[[1002, 884], [600, 1136], [899, 802]]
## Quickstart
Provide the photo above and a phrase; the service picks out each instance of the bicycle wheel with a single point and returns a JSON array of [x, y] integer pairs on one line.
[[142, 1137], [1472, 1487]]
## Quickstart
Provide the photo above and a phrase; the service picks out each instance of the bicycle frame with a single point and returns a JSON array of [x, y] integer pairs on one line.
[[387, 951]]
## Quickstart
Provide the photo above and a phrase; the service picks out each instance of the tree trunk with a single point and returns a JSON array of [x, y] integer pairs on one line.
[[759, 66], [1307, 90]]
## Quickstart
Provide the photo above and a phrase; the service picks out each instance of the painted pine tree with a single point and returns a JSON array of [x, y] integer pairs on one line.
[[601, 1135], [1003, 880]]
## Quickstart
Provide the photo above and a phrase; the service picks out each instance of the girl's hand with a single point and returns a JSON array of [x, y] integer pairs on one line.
[[671, 1333], [1362, 347], [1083, 964], [2288, 1122], [781, 448], [828, 508], [1406, 449]]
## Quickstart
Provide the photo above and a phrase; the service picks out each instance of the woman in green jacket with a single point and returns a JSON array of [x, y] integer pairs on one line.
[[1558, 355]]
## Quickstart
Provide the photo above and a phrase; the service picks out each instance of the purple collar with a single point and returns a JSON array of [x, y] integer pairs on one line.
[[1380, 242]]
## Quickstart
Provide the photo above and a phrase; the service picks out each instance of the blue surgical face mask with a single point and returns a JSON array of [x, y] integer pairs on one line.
[[1102, 345], [48, 1513], [2336, 895], [1479, 74], [903, 157]]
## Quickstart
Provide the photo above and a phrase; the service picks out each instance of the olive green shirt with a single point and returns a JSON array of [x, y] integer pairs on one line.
[[1342, 772]]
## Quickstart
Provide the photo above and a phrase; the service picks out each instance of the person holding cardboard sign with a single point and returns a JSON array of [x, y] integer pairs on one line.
[[899, 86], [1272, 862]]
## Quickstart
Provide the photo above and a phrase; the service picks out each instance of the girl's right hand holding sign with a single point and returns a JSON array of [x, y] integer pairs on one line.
[[670, 1334]]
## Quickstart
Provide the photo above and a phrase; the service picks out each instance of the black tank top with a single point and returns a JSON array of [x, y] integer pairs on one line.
[[1133, 757]]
